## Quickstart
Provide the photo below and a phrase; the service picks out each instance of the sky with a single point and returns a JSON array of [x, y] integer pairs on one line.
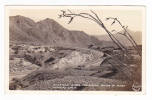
[[131, 16]]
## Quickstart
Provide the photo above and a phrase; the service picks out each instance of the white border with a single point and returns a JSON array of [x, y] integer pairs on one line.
[[8, 8], [147, 3]]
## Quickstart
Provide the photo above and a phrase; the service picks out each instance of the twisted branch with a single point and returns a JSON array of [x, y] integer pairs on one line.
[[96, 19], [126, 34]]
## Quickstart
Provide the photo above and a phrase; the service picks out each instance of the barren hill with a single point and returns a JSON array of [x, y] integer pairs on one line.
[[47, 31]]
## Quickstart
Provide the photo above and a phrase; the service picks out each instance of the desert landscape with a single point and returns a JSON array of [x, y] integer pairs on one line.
[[44, 55]]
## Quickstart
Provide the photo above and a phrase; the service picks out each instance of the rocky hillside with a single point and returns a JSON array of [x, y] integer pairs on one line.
[[47, 31]]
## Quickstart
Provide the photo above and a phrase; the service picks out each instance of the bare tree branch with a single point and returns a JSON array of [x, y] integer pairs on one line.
[[127, 35], [96, 19]]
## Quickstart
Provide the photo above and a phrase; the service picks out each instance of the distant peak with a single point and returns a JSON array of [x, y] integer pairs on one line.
[[18, 16], [18, 19], [50, 20], [47, 20]]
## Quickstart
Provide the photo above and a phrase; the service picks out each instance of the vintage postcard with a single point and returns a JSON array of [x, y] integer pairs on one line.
[[75, 48]]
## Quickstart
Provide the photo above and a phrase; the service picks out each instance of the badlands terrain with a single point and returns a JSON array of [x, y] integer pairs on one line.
[[46, 56]]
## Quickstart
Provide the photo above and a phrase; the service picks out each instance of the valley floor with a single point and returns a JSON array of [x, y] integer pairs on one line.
[[60, 68]]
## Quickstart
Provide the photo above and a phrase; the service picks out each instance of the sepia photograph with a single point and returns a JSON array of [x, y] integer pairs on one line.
[[75, 48]]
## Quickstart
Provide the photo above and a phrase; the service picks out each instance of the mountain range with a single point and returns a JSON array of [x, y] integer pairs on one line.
[[49, 32], [46, 32]]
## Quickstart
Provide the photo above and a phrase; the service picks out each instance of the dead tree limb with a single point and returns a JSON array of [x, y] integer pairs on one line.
[[96, 19], [126, 34]]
